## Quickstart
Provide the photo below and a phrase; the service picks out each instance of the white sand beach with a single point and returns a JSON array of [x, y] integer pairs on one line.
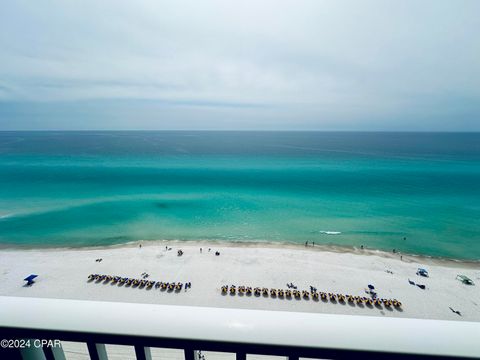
[[63, 274]]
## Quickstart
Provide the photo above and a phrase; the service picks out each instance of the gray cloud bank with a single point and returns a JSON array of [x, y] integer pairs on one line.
[[303, 65]]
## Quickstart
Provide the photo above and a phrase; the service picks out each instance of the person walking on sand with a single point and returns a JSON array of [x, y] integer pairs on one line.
[[306, 243], [200, 250]]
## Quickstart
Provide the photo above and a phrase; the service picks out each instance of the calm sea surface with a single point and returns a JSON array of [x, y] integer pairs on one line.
[[415, 192]]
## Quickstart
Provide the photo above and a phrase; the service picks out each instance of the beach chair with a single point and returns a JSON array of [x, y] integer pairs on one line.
[[288, 293], [224, 289], [397, 303], [249, 290], [233, 290], [257, 291], [341, 298], [296, 293], [280, 293], [305, 294]]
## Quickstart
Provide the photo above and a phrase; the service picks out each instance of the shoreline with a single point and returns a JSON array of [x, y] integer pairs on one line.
[[339, 249]]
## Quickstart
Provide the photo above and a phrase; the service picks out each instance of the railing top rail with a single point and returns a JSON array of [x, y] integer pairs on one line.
[[273, 328]]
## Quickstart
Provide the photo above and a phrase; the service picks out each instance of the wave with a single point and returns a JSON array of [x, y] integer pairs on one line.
[[330, 232]]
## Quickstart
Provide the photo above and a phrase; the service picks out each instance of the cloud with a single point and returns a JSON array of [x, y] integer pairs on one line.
[[293, 64]]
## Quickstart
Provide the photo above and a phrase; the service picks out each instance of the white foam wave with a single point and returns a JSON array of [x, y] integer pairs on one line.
[[330, 232]]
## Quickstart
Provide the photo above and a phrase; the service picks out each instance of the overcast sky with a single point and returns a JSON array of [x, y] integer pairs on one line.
[[286, 65]]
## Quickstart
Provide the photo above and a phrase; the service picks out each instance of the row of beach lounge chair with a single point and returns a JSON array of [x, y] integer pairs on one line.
[[304, 294], [140, 283]]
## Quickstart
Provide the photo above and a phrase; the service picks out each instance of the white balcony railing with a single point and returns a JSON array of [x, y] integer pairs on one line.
[[237, 331]]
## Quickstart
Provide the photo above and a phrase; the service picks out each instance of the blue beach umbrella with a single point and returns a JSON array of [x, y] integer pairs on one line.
[[29, 279]]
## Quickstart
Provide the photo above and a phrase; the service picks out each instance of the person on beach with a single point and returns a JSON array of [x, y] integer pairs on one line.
[[361, 247], [306, 243], [200, 250]]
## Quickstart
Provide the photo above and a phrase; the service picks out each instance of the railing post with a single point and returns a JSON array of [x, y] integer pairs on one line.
[[58, 353], [54, 353], [190, 354], [143, 352], [33, 353], [97, 351], [241, 356]]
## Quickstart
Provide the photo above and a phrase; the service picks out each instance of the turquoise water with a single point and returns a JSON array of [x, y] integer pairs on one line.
[[415, 192]]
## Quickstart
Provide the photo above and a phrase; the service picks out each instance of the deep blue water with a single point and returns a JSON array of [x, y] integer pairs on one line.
[[415, 192]]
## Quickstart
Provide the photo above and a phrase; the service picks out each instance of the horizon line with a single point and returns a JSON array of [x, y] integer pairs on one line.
[[243, 130]]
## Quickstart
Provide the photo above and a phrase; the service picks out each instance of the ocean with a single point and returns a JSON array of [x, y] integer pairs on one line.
[[418, 193]]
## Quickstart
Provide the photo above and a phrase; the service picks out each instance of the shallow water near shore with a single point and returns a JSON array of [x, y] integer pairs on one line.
[[417, 193]]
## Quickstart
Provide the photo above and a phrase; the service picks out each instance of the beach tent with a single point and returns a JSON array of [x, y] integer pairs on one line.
[[29, 279], [422, 272], [464, 279]]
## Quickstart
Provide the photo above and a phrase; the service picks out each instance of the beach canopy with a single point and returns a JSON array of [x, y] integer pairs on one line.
[[465, 279], [29, 279], [422, 272]]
